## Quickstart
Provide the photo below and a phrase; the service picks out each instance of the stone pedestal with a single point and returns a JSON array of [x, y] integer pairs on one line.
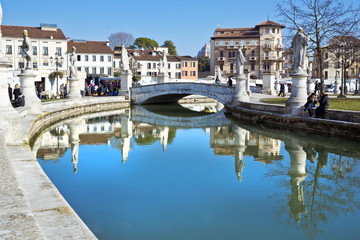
[[241, 95], [298, 95], [337, 87], [74, 89], [268, 84], [163, 78], [277, 87], [27, 84], [126, 83], [9, 117], [310, 86]]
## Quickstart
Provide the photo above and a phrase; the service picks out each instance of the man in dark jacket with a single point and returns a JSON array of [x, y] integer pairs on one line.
[[10, 92], [324, 104], [19, 102]]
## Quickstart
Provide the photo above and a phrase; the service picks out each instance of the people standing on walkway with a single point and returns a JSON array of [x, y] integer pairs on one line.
[[324, 104], [65, 91], [39, 90], [229, 83], [10, 92], [62, 92], [282, 90], [311, 101], [17, 91]]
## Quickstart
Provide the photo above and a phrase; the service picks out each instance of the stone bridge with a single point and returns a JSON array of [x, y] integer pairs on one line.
[[173, 92]]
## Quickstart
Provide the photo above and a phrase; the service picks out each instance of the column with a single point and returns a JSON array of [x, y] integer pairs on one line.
[[126, 83], [297, 174], [9, 117], [298, 95], [75, 92], [27, 84], [241, 95]]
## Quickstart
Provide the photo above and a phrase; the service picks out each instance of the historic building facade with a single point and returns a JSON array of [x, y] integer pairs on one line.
[[262, 48]]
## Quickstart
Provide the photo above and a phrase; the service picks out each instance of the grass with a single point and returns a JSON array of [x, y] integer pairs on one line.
[[349, 104]]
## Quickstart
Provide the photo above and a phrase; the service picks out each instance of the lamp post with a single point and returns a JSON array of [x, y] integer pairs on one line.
[[58, 63], [343, 68]]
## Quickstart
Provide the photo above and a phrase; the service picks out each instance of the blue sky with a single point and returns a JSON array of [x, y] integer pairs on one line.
[[188, 23]]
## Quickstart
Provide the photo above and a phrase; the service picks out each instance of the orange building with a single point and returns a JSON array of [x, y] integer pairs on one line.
[[189, 67]]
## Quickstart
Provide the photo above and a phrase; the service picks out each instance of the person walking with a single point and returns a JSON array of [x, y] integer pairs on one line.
[[282, 90], [39, 90], [10, 92], [229, 83], [324, 104], [217, 80]]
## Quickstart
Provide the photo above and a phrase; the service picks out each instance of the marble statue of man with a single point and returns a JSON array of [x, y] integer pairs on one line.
[[125, 65], [277, 75], [27, 51], [165, 62], [299, 44], [161, 67], [240, 61], [72, 63]]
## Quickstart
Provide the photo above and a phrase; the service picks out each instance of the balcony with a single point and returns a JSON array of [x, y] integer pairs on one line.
[[253, 58], [279, 47], [232, 47], [221, 58], [269, 58], [267, 46]]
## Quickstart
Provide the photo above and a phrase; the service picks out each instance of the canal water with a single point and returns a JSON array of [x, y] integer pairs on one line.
[[165, 172]]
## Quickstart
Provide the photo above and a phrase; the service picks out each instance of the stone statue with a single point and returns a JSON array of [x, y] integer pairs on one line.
[[165, 62], [299, 44], [218, 72], [125, 65], [309, 70], [336, 76], [72, 63], [240, 61], [161, 67], [27, 51], [277, 75]]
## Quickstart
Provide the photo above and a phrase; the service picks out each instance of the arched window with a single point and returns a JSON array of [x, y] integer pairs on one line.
[[253, 53], [229, 54], [221, 54], [252, 67], [266, 53], [233, 54], [231, 66]]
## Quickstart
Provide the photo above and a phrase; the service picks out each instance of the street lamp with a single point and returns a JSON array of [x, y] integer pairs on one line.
[[343, 69], [58, 63]]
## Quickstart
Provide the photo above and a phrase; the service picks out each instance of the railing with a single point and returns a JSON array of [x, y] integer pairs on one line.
[[253, 58], [221, 58], [267, 46], [279, 46]]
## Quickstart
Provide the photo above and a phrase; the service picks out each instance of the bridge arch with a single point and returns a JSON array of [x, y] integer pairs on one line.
[[172, 92]]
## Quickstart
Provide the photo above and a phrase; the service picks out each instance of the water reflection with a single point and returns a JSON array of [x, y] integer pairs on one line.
[[319, 183]]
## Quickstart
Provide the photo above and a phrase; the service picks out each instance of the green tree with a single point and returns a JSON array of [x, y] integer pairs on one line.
[[170, 45], [204, 64], [145, 43]]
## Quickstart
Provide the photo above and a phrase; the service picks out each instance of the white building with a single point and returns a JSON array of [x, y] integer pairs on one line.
[[48, 42], [95, 58]]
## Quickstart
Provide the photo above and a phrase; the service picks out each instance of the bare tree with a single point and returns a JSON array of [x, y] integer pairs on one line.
[[322, 20], [116, 39]]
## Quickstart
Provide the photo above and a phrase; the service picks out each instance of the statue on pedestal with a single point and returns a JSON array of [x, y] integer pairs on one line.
[[27, 51], [125, 66], [218, 72], [72, 62], [299, 44], [240, 61], [161, 67]]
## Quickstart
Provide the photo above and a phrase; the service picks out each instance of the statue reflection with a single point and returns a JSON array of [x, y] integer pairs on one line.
[[241, 137], [297, 174], [126, 135], [76, 128]]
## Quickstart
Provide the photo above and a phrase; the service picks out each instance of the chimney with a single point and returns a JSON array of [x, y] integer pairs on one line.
[[107, 43]]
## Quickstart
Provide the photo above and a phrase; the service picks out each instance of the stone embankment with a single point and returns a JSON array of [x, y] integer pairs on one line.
[[30, 205]]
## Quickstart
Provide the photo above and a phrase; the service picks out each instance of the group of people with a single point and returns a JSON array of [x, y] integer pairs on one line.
[[104, 88], [312, 101], [229, 82], [16, 97]]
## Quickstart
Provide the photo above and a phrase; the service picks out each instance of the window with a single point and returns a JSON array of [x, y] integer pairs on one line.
[[184, 64], [86, 58], [231, 66], [326, 55], [58, 51], [178, 75], [94, 58], [242, 42], [109, 71], [8, 49], [102, 71], [193, 64], [252, 42], [267, 41], [35, 66], [221, 54], [230, 54], [252, 67], [21, 65], [231, 42], [278, 41], [267, 30], [266, 53], [20, 50], [94, 70], [233, 54], [193, 73], [148, 73], [178, 66], [109, 58], [149, 66], [101, 58], [253, 53], [79, 57], [45, 51], [184, 73], [87, 70], [273, 30], [154, 65], [169, 65], [221, 43], [78, 68], [221, 67], [45, 63], [34, 50]]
